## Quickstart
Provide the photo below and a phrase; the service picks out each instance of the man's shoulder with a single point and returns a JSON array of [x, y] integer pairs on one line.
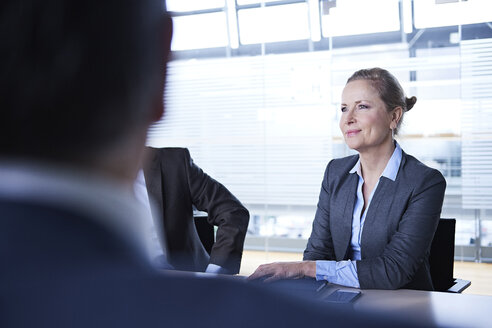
[[58, 236], [169, 157], [170, 161], [48, 214], [169, 152]]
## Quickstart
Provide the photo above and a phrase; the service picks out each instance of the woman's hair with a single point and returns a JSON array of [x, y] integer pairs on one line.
[[389, 89]]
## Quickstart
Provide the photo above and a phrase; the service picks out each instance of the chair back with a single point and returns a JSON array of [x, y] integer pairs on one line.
[[441, 258]]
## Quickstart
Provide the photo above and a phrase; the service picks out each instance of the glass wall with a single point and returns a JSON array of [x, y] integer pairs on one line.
[[254, 91]]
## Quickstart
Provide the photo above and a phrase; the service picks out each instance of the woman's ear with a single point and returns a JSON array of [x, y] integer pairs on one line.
[[395, 117]]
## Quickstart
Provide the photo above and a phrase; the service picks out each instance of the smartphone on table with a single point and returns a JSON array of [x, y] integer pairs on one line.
[[342, 296]]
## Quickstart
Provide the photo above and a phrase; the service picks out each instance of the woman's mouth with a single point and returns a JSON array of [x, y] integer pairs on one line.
[[351, 133]]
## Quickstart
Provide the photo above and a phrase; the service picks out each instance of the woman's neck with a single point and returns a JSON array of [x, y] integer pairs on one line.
[[373, 162]]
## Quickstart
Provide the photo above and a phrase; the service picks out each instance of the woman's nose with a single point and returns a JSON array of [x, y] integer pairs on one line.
[[349, 116]]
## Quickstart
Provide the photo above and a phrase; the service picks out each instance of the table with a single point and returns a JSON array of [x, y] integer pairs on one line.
[[439, 308], [429, 308]]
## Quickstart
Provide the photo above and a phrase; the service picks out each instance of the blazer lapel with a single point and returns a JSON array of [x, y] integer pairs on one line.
[[377, 219], [345, 232]]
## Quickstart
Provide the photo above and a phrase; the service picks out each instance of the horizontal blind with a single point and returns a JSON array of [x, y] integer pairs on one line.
[[259, 125], [476, 87]]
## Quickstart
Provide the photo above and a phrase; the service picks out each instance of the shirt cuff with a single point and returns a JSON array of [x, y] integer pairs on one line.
[[325, 270], [338, 272]]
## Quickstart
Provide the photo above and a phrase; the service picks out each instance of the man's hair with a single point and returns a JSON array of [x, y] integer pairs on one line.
[[77, 76]]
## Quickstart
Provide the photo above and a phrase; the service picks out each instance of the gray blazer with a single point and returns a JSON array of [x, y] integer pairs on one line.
[[399, 226], [176, 184]]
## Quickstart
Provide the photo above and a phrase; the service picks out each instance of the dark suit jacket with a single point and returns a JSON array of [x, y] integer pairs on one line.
[[61, 268], [399, 226], [176, 184]]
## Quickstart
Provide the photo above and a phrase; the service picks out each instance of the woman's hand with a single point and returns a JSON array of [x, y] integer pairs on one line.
[[285, 270]]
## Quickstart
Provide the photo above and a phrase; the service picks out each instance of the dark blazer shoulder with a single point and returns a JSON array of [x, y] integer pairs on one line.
[[84, 238], [170, 154], [339, 166], [171, 162], [415, 172], [344, 162]]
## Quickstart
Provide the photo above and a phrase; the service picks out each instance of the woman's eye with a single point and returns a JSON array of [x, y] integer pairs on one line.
[[344, 109], [362, 106]]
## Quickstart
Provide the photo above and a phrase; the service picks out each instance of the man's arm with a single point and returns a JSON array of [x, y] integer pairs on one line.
[[225, 211]]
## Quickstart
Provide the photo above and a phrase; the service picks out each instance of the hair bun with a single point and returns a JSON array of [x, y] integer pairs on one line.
[[409, 102]]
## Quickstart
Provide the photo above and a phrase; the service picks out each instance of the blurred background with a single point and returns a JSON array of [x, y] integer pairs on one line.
[[254, 90]]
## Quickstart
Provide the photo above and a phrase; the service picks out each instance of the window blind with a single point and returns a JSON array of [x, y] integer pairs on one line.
[[259, 125], [476, 88]]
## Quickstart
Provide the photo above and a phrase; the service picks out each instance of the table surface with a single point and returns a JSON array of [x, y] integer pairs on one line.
[[442, 309], [429, 308], [432, 308]]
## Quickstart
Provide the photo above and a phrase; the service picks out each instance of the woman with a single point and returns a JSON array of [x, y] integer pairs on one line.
[[378, 210]]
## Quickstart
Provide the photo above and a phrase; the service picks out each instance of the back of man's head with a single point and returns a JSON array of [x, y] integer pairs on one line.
[[78, 77]]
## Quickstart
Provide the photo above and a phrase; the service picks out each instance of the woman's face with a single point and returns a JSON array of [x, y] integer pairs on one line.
[[365, 122]]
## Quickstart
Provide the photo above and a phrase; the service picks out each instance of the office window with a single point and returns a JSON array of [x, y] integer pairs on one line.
[[434, 14], [199, 31], [266, 126], [193, 5], [272, 24], [407, 16], [352, 17], [258, 125], [251, 2], [437, 88]]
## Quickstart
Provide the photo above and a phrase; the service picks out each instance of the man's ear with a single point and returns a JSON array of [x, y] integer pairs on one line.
[[167, 34]]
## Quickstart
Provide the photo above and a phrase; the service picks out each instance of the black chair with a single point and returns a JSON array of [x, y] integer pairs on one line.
[[441, 259], [206, 232]]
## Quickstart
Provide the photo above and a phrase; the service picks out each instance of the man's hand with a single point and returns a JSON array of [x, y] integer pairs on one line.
[[285, 270]]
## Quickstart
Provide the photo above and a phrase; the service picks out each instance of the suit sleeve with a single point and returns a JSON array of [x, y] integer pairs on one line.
[[409, 245], [320, 243], [224, 211]]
